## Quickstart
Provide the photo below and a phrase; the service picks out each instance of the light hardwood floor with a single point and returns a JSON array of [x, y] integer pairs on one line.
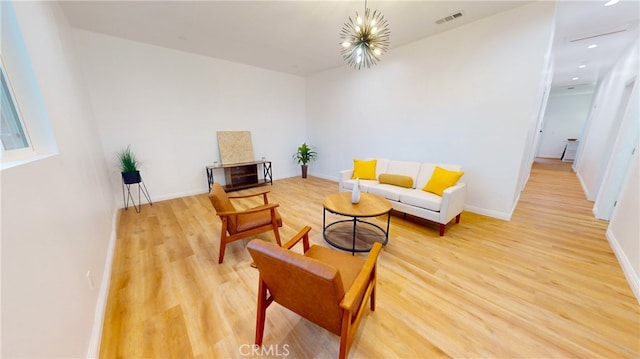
[[544, 285]]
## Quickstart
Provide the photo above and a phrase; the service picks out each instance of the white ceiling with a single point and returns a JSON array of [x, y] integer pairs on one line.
[[302, 37], [583, 23]]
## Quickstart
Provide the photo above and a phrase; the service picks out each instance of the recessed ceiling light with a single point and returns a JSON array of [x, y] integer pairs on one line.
[[575, 78], [592, 46], [611, 2], [582, 66]]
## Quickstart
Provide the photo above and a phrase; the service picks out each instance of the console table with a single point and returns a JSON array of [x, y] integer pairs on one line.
[[241, 175]]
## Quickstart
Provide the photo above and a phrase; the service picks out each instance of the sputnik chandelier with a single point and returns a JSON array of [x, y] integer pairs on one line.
[[364, 40]]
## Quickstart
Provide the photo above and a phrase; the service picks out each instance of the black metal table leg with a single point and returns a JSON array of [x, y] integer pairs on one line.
[[129, 197], [209, 177], [266, 172]]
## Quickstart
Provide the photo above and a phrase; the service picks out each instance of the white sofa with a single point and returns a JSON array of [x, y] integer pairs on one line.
[[414, 200]]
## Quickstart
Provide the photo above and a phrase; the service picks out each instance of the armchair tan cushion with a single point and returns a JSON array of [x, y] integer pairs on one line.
[[323, 285], [222, 203], [314, 286], [310, 287], [349, 265], [247, 221]]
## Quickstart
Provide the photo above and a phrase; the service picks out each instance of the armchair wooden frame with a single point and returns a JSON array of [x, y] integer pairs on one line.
[[352, 304], [228, 233]]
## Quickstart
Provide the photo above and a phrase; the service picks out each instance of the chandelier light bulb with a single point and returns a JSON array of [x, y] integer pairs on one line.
[[364, 39]]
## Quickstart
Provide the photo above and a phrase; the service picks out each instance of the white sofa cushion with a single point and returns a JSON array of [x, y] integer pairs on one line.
[[381, 166], [388, 191], [405, 168], [364, 184], [422, 199]]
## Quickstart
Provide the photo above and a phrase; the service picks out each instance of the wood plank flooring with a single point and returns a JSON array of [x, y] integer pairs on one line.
[[544, 285]]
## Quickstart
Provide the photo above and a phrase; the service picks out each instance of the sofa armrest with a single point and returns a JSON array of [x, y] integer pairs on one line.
[[344, 176], [452, 202]]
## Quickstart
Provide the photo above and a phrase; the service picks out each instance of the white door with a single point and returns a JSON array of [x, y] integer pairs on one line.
[[622, 152]]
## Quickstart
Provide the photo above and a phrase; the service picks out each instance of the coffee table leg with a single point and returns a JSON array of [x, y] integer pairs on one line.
[[324, 226], [353, 251], [386, 235]]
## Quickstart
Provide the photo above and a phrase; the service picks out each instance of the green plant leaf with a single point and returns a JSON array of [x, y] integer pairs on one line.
[[128, 161], [305, 154]]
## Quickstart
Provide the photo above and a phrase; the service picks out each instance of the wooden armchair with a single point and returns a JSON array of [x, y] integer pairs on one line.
[[242, 224], [327, 287]]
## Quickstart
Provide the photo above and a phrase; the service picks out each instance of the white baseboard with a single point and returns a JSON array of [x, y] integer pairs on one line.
[[101, 305], [632, 277], [330, 178], [488, 212], [179, 194], [164, 197], [585, 189]]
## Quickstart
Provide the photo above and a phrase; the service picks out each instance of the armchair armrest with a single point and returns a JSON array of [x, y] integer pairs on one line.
[[304, 235], [264, 207], [360, 284], [261, 193]]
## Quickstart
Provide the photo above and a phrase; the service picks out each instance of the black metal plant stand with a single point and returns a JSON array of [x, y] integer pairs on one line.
[[126, 183]]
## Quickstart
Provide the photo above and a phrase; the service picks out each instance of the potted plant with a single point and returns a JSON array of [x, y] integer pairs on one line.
[[303, 156], [129, 166]]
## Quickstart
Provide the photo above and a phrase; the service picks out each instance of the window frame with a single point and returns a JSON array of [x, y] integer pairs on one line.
[[18, 153]]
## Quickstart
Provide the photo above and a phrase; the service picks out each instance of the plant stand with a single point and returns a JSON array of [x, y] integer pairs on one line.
[[129, 197]]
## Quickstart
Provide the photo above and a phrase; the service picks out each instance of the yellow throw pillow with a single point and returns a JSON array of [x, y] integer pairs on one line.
[[442, 179], [396, 180], [365, 170]]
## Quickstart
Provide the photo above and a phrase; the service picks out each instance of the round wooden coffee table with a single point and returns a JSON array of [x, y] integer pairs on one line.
[[355, 234]]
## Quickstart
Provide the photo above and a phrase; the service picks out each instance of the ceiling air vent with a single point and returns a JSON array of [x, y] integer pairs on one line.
[[449, 18], [594, 34]]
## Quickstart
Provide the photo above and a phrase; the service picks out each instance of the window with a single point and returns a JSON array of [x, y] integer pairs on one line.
[[12, 131]]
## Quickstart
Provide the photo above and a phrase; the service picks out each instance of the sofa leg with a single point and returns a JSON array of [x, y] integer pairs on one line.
[[458, 218], [442, 230]]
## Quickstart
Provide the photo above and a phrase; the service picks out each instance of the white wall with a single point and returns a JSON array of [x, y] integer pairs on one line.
[[624, 227], [466, 96], [602, 127], [169, 104], [565, 117], [622, 174], [56, 212]]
